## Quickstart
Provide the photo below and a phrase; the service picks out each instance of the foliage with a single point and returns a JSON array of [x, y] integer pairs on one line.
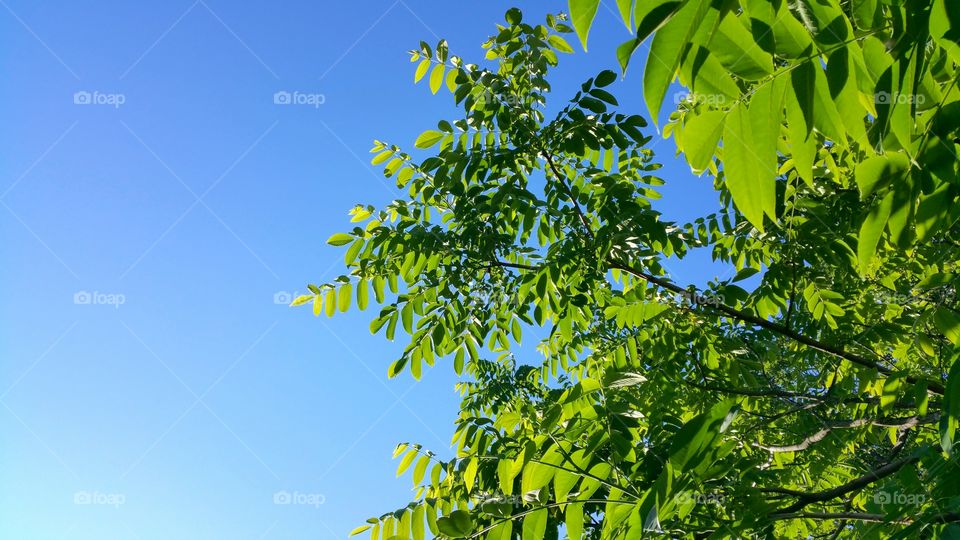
[[819, 397]]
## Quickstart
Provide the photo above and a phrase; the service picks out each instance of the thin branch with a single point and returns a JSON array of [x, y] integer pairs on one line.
[[778, 328], [902, 423], [570, 195], [853, 485], [857, 516]]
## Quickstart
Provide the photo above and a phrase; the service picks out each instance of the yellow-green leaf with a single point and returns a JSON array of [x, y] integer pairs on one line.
[[535, 525], [421, 70], [750, 183], [559, 44], [700, 135], [582, 13], [436, 78], [871, 231], [947, 322], [877, 172], [340, 239], [428, 138], [343, 296], [665, 52]]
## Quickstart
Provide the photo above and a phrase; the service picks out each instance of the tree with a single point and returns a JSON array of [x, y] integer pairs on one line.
[[822, 399]]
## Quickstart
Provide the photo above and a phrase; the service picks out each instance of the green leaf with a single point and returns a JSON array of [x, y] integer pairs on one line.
[[428, 138], [406, 316], [650, 15], [359, 530], [353, 251], [582, 13], [340, 239], [790, 36], [436, 78], [330, 302], [701, 133], [871, 231], [696, 437], [536, 475], [344, 296], [559, 44], [451, 81], [302, 299], [535, 525], [605, 78], [945, 26], [603, 95], [456, 525], [826, 117], [420, 470], [626, 12], [747, 176], [470, 472], [416, 522], [766, 114], [707, 78], [842, 83], [666, 50], [573, 518], [947, 322], [951, 407], [505, 476], [625, 52], [363, 294], [502, 531], [422, 68], [407, 461], [878, 172], [867, 14], [736, 48], [802, 139]]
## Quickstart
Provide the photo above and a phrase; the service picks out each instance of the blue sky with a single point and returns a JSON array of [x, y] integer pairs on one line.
[[157, 211]]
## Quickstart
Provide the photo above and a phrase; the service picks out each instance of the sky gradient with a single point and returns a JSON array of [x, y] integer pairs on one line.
[[159, 208]]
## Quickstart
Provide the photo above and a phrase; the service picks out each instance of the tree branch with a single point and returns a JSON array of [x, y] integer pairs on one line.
[[778, 328], [573, 199], [858, 516], [841, 490], [902, 423]]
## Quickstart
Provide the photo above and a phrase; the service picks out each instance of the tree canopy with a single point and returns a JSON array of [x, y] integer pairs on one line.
[[814, 394]]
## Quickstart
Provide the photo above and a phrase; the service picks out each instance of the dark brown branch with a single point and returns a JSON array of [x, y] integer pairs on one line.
[[841, 490], [570, 195], [754, 320], [778, 328], [503, 264]]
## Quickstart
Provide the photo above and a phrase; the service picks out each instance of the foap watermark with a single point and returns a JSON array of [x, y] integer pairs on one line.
[[498, 497], [688, 497], [284, 97], [509, 100], [700, 299], [298, 498], [97, 298], [936, 295], [692, 99], [97, 498], [97, 97], [283, 298], [886, 98], [884, 497]]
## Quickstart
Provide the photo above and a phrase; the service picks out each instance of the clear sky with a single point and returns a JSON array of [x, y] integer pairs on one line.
[[158, 210]]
